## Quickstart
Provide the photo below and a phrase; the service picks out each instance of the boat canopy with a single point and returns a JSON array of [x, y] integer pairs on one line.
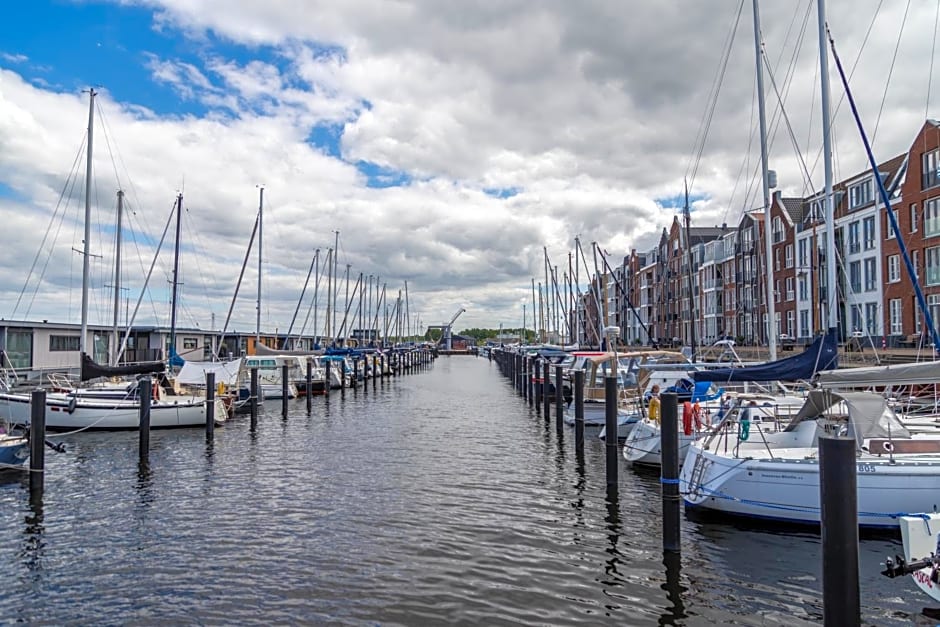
[[868, 413], [194, 372], [93, 370], [822, 354], [927, 372]]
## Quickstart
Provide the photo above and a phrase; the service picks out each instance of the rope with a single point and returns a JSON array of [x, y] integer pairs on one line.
[[894, 58], [933, 49], [19, 467]]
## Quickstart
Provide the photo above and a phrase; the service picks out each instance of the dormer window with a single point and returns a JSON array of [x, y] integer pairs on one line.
[[860, 194]]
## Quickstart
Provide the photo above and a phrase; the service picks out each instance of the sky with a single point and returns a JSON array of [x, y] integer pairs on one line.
[[450, 145]]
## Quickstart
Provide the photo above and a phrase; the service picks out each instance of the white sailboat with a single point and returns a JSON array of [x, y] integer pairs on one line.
[[119, 407], [777, 475]]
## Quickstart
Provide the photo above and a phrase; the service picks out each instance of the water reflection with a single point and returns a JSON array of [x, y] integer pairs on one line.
[[672, 560], [144, 485], [33, 550]]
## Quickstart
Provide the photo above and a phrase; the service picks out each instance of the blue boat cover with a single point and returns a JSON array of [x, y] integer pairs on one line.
[[822, 354]]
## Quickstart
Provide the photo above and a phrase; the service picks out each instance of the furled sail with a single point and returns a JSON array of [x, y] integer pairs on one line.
[[92, 370], [822, 354]]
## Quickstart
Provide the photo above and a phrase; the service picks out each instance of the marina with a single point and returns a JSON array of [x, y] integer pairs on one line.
[[439, 496], [689, 387]]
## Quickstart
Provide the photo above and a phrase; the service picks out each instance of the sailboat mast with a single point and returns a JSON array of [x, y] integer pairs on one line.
[[176, 270], [260, 240], [407, 313], [117, 278], [335, 285], [346, 310], [765, 181], [832, 314], [535, 315], [327, 329], [300, 300], [688, 253], [86, 266]]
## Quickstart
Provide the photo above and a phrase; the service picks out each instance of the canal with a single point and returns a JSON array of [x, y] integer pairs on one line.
[[438, 498]]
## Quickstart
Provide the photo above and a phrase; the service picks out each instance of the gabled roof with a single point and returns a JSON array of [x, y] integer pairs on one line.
[[794, 208]]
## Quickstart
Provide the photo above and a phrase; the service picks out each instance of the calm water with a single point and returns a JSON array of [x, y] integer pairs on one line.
[[440, 498]]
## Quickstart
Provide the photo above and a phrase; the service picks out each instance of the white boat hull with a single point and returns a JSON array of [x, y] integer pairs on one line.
[[644, 445], [788, 488], [63, 413], [921, 538]]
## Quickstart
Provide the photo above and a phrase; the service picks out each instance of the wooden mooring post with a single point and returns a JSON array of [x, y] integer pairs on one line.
[[669, 474], [144, 421], [610, 429], [210, 406], [285, 389], [579, 410], [37, 443], [838, 497], [253, 397]]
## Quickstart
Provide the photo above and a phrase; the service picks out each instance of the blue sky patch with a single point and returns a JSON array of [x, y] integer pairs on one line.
[[327, 137], [501, 192], [678, 201], [378, 176]]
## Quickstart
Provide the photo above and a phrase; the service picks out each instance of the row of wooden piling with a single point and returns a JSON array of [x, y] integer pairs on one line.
[[837, 476], [527, 372], [406, 363]]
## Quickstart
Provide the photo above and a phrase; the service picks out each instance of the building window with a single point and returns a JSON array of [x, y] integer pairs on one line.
[[856, 318], [930, 175], [777, 260], [933, 306], [916, 310], [854, 245], [869, 232], [855, 277], [871, 318], [894, 268], [913, 217], [777, 294], [789, 288], [803, 291], [894, 316], [933, 265], [63, 343], [19, 349], [889, 230], [871, 280], [788, 255], [860, 195], [801, 251], [932, 217], [778, 230]]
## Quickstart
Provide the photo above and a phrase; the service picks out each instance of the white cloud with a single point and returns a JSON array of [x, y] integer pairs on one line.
[[588, 110]]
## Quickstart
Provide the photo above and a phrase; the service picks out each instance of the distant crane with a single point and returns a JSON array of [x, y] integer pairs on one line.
[[447, 330]]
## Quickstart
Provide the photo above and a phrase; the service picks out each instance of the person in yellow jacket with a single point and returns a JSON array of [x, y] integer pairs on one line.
[[654, 409]]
